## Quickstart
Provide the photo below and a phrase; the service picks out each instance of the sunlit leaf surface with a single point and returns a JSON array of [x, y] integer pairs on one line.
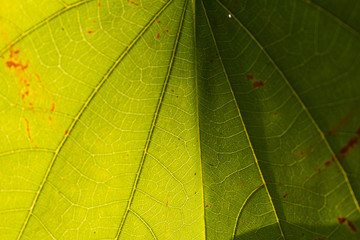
[[179, 119]]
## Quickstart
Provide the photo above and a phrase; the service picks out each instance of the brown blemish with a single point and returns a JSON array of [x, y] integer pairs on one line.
[[52, 107], [90, 32], [134, 3], [351, 225], [29, 90], [28, 128], [350, 144], [249, 77], [158, 35], [11, 64], [341, 220], [258, 84], [342, 122], [285, 195]]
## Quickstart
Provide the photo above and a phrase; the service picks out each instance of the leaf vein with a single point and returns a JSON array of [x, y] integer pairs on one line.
[[241, 118], [157, 110]]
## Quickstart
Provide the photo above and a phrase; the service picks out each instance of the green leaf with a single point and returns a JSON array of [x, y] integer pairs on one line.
[[179, 119]]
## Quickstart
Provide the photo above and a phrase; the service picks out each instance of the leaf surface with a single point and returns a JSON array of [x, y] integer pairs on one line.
[[179, 119]]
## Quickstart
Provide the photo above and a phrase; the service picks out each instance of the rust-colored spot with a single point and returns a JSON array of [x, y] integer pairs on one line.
[[249, 77], [52, 107], [167, 202], [341, 220], [276, 113], [167, 30], [28, 128], [339, 125], [99, 4], [134, 3], [351, 225], [158, 21], [67, 132], [158, 35], [302, 153], [285, 195], [258, 84], [327, 163], [38, 77], [90, 32], [11, 64], [351, 143]]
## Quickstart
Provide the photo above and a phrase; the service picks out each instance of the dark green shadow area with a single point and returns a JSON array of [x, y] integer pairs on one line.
[[302, 232]]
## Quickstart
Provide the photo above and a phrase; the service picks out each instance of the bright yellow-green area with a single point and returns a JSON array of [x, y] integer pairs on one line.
[[179, 119]]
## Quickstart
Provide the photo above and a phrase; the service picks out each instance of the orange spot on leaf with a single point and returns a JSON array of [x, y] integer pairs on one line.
[[351, 225], [52, 107], [90, 32], [11, 64], [258, 84], [341, 220], [351, 143], [28, 128], [134, 3], [158, 35], [38, 77], [249, 77], [285, 195], [340, 124]]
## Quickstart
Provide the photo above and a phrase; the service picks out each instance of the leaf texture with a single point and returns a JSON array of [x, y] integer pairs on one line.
[[179, 119]]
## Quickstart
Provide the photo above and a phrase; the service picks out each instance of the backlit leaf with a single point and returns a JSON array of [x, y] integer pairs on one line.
[[179, 119]]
